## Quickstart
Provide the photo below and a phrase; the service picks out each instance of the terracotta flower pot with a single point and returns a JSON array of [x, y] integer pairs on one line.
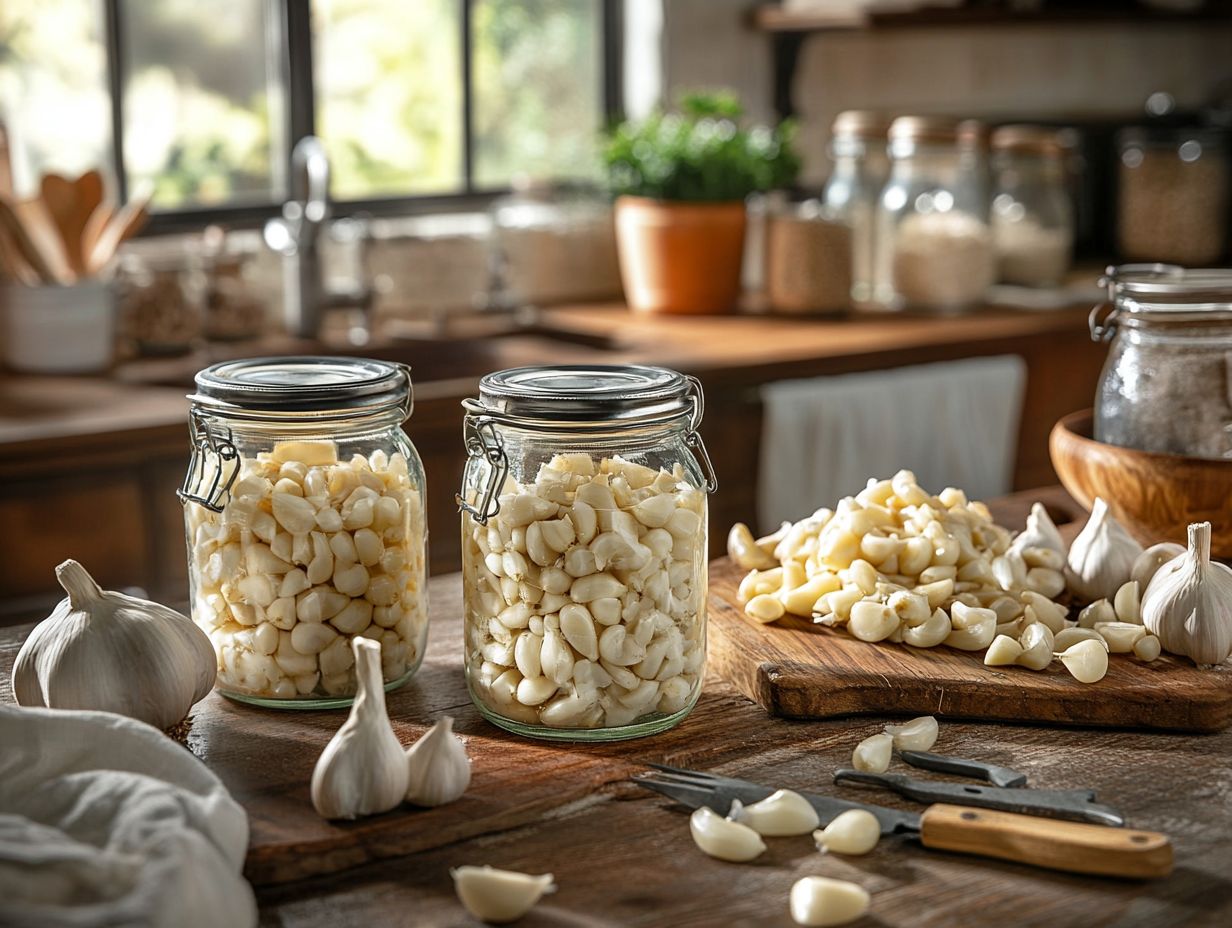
[[680, 257]]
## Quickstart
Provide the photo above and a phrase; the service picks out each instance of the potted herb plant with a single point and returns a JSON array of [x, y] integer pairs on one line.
[[680, 181]]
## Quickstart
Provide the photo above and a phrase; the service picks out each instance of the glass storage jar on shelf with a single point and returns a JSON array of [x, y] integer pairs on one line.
[[808, 259], [1174, 188], [934, 244], [304, 509], [1032, 217], [857, 148], [1164, 387], [584, 538]]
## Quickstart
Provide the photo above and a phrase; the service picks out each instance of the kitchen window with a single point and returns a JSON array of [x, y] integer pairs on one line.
[[421, 105]]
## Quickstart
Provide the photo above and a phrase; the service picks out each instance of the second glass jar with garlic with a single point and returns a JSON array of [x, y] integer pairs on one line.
[[305, 522], [584, 536], [1032, 216], [934, 245], [857, 148]]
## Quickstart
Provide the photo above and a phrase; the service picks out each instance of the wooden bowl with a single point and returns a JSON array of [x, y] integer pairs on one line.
[[1155, 496]]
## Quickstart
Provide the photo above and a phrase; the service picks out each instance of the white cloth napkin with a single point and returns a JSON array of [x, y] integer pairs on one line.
[[953, 423], [104, 821]]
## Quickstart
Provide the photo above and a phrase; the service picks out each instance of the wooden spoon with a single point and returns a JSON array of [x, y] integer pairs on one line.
[[16, 269], [45, 234], [70, 204], [20, 235], [127, 220], [94, 228]]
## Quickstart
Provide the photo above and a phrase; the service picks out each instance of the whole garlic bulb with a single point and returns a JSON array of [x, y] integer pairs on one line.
[[1101, 557], [115, 653], [362, 770], [1188, 604], [437, 766], [1041, 532]]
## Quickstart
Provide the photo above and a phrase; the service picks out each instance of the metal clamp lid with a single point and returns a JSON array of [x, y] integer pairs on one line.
[[213, 466]]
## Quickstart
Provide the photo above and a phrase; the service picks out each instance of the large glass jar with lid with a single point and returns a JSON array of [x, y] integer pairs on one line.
[[1165, 384], [584, 534], [1032, 216], [934, 244], [857, 148], [304, 508], [1173, 194]]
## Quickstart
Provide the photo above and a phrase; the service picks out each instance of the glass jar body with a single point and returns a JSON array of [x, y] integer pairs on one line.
[[1033, 219], [1166, 388], [851, 196], [321, 538], [934, 246], [585, 594]]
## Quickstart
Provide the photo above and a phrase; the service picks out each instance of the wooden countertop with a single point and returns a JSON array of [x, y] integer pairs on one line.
[[623, 857], [58, 414]]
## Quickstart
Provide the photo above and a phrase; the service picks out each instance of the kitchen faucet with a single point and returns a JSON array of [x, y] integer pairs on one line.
[[295, 235]]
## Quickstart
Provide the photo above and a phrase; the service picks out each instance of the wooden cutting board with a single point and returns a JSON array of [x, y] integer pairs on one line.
[[796, 669]]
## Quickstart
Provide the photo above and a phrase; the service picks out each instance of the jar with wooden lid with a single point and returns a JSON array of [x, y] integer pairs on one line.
[[304, 512], [857, 149], [1165, 385], [934, 244], [584, 538], [1032, 216]]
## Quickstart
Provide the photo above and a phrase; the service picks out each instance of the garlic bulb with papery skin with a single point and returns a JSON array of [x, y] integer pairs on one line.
[[499, 896], [724, 839], [438, 770], [1041, 532], [1188, 605], [115, 653], [781, 814], [1101, 557], [362, 770]]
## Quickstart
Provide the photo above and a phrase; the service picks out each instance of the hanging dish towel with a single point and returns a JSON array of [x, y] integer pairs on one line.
[[953, 423]]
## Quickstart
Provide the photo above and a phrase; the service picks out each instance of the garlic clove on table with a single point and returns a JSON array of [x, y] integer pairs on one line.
[[917, 735], [363, 770], [1087, 661], [438, 770], [1102, 556], [820, 902], [115, 653], [724, 839], [855, 831], [1188, 604], [872, 755], [781, 814], [499, 896]]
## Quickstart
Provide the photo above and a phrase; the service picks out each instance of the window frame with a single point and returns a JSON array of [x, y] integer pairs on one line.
[[289, 44]]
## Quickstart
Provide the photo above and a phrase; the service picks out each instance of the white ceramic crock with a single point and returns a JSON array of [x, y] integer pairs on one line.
[[58, 330]]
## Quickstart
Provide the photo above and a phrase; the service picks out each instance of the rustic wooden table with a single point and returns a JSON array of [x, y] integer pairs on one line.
[[623, 857]]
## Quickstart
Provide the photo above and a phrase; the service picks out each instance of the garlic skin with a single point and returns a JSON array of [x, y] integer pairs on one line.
[[820, 902], [114, 653], [724, 839], [1041, 532], [499, 896], [872, 755], [1153, 558], [362, 770], [917, 735], [855, 831], [782, 814], [1101, 557], [1188, 604], [438, 770]]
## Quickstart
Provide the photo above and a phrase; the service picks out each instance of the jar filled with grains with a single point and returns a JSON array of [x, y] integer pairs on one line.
[[305, 520], [584, 533], [934, 244], [808, 259], [1173, 194], [857, 148], [1032, 217], [1166, 384]]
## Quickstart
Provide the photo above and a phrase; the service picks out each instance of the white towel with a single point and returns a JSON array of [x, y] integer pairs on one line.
[[954, 423]]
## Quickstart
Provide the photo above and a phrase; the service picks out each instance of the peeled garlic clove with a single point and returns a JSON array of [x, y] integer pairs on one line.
[[872, 621], [917, 735], [855, 831], [1087, 661], [745, 550], [1099, 611], [438, 770], [1101, 557], [499, 896], [724, 839], [929, 633], [1189, 603], [781, 814], [1036, 644], [1045, 610], [974, 628], [1003, 650], [1149, 561], [1126, 603], [1120, 636], [362, 770], [872, 755], [820, 902], [1071, 636], [1147, 648]]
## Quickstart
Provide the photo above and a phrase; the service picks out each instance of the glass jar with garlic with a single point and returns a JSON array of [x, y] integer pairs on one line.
[[584, 532], [305, 523]]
